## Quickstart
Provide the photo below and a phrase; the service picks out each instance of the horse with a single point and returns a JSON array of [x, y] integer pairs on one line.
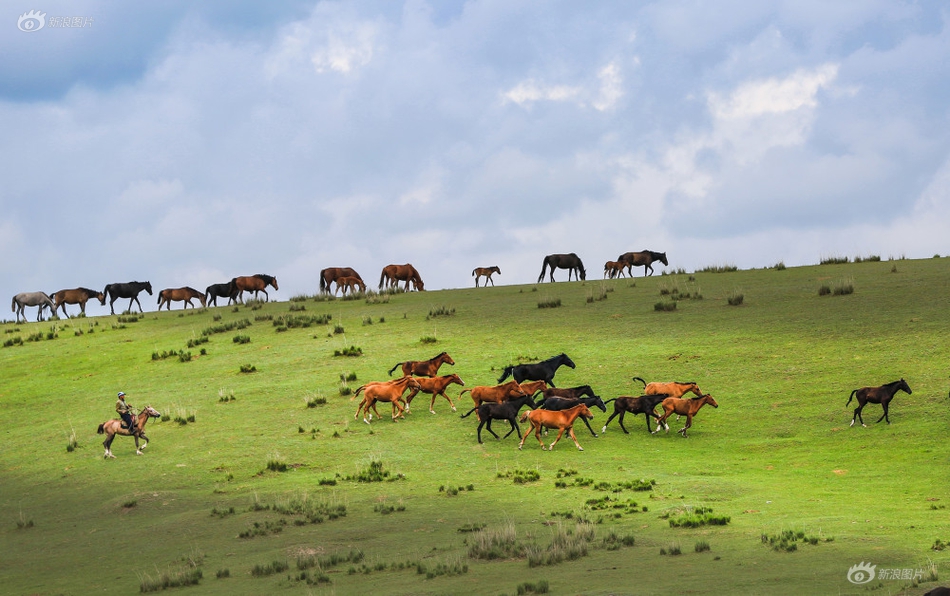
[[541, 371], [570, 261], [496, 394], [113, 427], [78, 296], [645, 404], [24, 299], [556, 404], [351, 283], [570, 393], [504, 411], [612, 268], [423, 368], [393, 274], [435, 386], [226, 290], [332, 275], [128, 290], [487, 273], [563, 420], [671, 389], [185, 295], [644, 258], [254, 283], [683, 407], [877, 395], [389, 391]]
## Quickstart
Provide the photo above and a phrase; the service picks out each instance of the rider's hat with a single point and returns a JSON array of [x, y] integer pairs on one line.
[[121, 394]]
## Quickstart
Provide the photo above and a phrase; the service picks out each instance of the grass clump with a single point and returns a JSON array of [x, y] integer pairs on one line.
[[442, 311], [493, 544], [672, 550], [834, 261], [787, 540], [428, 339], [701, 546], [698, 516], [352, 352], [521, 476], [538, 587], [665, 306], [735, 298], [269, 569], [566, 545], [170, 579], [225, 327], [248, 368], [718, 269], [242, 339], [550, 303]]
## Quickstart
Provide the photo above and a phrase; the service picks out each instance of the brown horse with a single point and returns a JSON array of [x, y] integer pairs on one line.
[[254, 283], [613, 268], [683, 407], [644, 258], [350, 283], [332, 275], [113, 427], [78, 296], [671, 389], [533, 387], [434, 386], [185, 295], [561, 420], [487, 273], [423, 368], [877, 395], [495, 394], [393, 274], [388, 391]]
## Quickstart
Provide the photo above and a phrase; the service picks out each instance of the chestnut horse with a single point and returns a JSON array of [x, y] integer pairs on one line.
[[254, 283], [78, 296], [434, 386], [570, 261], [332, 275], [495, 394], [393, 274], [350, 283], [423, 368], [683, 407], [877, 395], [185, 295], [561, 420], [644, 258], [389, 391], [24, 299], [612, 268], [485, 272], [113, 427]]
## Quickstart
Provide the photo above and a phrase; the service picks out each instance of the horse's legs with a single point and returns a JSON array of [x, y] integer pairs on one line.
[[108, 445], [884, 415], [570, 431], [603, 430], [527, 432], [588, 426], [138, 451], [558, 438], [514, 426], [689, 423], [487, 422]]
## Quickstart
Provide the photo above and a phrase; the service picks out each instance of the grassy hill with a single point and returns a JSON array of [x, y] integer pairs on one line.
[[273, 486]]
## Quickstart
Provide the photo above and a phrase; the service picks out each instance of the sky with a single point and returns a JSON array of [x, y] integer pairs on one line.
[[187, 143]]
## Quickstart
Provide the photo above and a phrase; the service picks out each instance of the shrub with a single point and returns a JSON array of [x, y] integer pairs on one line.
[[276, 465], [843, 288], [351, 351], [824, 290], [242, 339], [223, 573], [550, 303], [735, 299], [780, 266], [664, 306], [338, 329], [248, 368], [834, 260]]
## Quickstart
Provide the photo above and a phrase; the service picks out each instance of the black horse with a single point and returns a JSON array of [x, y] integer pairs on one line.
[[570, 261], [644, 258], [128, 290], [542, 371], [876, 395], [508, 410], [215, 291], [557, 404], [645, 404]]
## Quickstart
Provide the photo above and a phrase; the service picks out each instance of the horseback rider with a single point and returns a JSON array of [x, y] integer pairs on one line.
[[125, 412]]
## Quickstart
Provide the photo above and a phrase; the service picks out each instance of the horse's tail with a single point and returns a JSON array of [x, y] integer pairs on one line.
[[505, 373], [473, 272], [463, 391], [609, 400], [641, 380], [852, 396], [544, 266], [13, 305], [398, 364], [101, 430], [467, 414], [323, 283], [381, 277], [357, 392]]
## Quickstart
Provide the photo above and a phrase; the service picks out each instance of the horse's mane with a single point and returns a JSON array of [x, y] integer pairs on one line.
[[266, 278]]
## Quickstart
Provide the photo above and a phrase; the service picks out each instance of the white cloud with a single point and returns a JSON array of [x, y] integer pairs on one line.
[[611, 87], [346, 49], [530, 91], [773, 95]]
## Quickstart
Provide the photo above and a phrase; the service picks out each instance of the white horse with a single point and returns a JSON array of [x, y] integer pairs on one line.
[[24, 299]]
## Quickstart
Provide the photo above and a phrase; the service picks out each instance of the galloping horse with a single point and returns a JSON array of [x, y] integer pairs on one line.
[[683, 407], [185, 294], [563, 420], [570, 261], [113, 427], [78, 296], [128, 290], [215, 291], [487, 273], [644, 257], [333, 274], [24, 299], [541, 371], [390, 391], [877, 395], [423, 368], [645, 404], [393, 274], [612, 268], [254, 283]]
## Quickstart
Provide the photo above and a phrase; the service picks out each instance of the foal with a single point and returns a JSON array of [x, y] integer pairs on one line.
[[876, 395], [683, 407], [563, 420]]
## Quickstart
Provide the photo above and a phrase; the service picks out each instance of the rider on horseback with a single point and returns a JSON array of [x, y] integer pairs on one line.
[[125, 413]]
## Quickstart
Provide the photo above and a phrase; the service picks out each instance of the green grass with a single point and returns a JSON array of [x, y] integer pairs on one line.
[[776, 456]]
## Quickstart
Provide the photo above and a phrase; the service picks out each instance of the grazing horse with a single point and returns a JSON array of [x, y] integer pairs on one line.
[[393, 274], [570, 261], [495, 393], [556, 404], [435, 386], [215, 291], [613, 268], [541, 371], [350, 283], [78, 296], [389, 391], [504, 411], [877, 395], [563, 420], [332, 275], [185, 295], [423, 368], [645, 404], [24, 299], [254, 283], [683, 407], [128, 290], [113, 427], [644, 258], [485, 272]]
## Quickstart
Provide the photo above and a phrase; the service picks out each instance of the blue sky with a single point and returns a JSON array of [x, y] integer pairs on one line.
[[188, 144]]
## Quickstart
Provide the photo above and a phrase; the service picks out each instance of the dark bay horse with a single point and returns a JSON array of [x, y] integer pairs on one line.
[[570, 261], [541, 371], [485, 272], [215, 291], [644, 258], [254, 283], [24, 299], [113, 427], [185, 295], [613, 268], [78, 296], [128, 290], [877, 395], [332, 275], [393, 274]]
